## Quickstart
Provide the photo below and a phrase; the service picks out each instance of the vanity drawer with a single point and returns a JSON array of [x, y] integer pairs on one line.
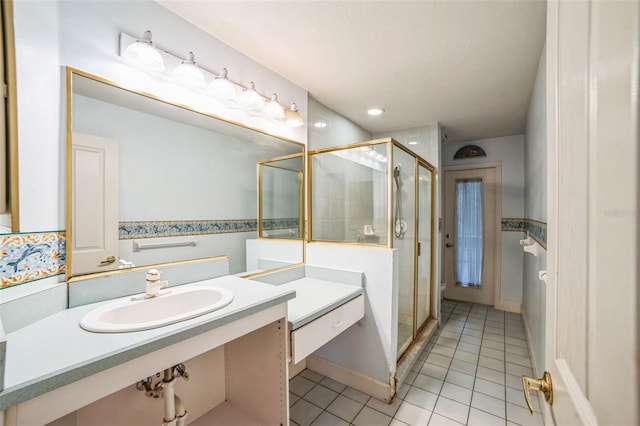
[[305, 340]]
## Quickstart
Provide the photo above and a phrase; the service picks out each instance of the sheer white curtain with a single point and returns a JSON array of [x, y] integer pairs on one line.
[[469, 232]]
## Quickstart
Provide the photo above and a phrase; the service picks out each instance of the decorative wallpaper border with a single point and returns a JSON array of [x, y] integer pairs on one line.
[[536, 229], [284, 223], [178, 228], [26, 257]]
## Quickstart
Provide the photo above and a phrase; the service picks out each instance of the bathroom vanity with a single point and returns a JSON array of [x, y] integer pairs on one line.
[[236, 358], [328, 302]]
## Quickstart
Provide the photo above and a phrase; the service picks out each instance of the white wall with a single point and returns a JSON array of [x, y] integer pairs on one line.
[[535, 207], [427, 138], [85, 34], [509, 151], [338, 130], [369, 346]]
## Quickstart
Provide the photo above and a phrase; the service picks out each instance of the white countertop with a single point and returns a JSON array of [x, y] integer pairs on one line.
[[56, 351], [315, 298]]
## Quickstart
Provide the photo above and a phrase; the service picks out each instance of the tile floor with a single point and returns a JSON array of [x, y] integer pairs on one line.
[[469, 373]]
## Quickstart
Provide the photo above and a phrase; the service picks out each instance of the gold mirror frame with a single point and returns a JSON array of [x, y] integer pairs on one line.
[[11, 113], [70, 71]]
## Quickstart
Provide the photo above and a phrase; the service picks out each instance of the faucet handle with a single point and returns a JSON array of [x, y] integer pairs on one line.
[[153, 275]]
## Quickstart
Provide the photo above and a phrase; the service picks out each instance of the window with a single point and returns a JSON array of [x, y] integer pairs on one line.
[[469, 232]]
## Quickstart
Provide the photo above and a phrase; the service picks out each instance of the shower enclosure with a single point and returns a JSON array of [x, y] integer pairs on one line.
[[380, 193]]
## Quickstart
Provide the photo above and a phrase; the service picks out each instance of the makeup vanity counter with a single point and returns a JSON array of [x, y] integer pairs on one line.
[[54, 367], [327, 302]]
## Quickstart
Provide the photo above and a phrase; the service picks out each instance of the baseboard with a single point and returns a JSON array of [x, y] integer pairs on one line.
[[527, 333], [534, 366], [373, 387], [295, 369], [508, 306]]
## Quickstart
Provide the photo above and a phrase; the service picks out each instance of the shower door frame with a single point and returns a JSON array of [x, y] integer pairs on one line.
[[419, 161], [301, 201], [309, 173]]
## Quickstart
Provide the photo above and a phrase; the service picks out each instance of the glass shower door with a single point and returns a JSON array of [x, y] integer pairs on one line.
[[404, 239], [425, 227]]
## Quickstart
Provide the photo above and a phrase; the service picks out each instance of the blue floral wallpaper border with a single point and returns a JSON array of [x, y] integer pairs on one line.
[[26, 257], [537, 230], [177, 228], [284, 223]]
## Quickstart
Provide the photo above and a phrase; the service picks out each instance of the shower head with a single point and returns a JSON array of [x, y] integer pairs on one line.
[[396, 171]]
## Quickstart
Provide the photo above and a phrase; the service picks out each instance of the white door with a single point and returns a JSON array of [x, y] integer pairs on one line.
[[94, 204], [470, 227], [593, 212]]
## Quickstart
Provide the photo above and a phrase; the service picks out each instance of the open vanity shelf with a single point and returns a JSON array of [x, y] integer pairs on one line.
[[236, 358]]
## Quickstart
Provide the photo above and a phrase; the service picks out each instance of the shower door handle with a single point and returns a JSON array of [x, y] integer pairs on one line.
[[448, 245]]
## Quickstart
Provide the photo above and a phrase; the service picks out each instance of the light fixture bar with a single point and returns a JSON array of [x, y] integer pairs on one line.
[[267, 107]]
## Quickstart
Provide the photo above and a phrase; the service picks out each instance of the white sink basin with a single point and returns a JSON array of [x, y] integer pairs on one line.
[[174, 305]]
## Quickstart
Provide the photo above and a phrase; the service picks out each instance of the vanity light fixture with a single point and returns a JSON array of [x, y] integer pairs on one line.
[[188, 73], [274, 108], [251, 99], [375, 111], [222, 88], [142, 54], [164, 65], [292, 117]]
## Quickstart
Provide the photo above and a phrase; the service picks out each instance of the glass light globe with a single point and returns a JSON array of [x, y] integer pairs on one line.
[[188, 73], [221, 88], [293, 117], [250, 99], [143, 55], [274, 108]]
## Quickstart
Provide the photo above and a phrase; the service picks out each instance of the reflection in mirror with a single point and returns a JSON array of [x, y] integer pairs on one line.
[[280, 203], [152, 182]]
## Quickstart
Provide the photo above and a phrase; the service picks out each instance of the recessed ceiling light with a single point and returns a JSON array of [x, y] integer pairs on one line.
[[320, 124], [413, 142], [375, 111]]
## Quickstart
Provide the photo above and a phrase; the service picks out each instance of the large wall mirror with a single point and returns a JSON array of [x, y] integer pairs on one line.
[[150, 182]]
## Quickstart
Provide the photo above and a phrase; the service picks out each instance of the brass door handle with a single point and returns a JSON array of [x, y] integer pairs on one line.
[[109, 260], [448, 245], [544, 385]]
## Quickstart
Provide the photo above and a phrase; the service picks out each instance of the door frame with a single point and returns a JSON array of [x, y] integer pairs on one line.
[[497, 166]]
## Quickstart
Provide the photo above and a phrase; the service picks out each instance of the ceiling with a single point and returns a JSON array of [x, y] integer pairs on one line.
[[469, 65]]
